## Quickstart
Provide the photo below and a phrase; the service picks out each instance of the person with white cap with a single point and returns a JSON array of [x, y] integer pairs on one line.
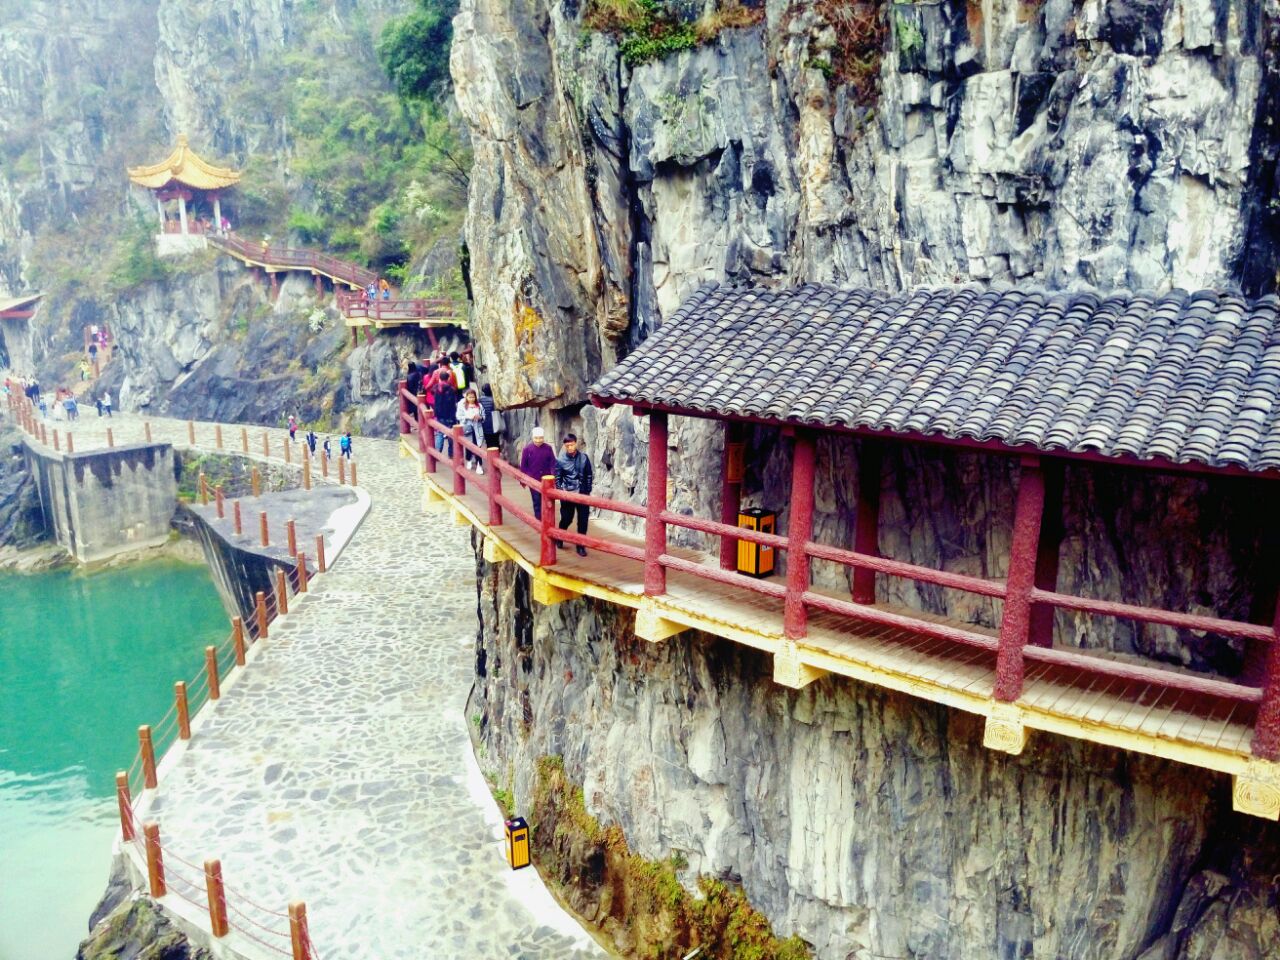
[[538, 460]]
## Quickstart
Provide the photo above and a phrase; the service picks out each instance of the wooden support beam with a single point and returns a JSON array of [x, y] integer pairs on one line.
[[651, 625], [1257, 790], [655, 530], [790, 671], [866, 532], [548, 594], [1015, 624], [799, 532], [1004, 730]]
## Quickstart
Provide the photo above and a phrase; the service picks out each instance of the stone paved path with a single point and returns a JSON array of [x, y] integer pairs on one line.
[[338, 768]]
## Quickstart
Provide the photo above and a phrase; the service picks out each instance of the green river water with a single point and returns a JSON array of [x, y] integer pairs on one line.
[[84, 659]]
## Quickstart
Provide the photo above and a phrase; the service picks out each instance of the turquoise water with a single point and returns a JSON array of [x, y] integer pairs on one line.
[[83, 661]]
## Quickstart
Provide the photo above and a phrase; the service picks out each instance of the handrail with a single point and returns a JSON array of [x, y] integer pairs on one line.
[[267, 255]]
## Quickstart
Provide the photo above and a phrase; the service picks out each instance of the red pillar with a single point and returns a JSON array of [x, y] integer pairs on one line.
[[655, 530], [799, 532], [732, 467], [547, 554], [1015, 624], [1041, 630], [866, 531], [459, 477]]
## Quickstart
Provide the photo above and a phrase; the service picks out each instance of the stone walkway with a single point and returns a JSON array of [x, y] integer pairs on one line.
[[338, 768]]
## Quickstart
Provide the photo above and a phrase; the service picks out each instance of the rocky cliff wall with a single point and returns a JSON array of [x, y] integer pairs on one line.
[[1058, 143]]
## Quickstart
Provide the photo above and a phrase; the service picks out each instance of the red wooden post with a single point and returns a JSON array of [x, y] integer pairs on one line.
[[1015, 624], [655, 530], [459, 475], [266, 444], [146, 430], [211, 671], [219, 502], [491, 456], [353, 473], [324, 465], [147, 748], [291, 529], [1042, 614], [795, 622], [71, 446], [237, 639], [204, 490], [732, 467], [342, 470], [155, 860], [282, 592], [191, 432], [217, 435], [302, 573], [548, 554], [244, 438], [56, 445], [255, 480], [262, 528], [306, 470], [217, 897], [427, 433], [260, 602], [403, 406], [320, 566], [866, 532], [299, 938], [1266, 725], [235, 513], [125, 804], [184, 713], [288, 453]]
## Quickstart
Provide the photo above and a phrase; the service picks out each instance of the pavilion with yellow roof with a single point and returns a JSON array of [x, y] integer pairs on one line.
[[192, 181]]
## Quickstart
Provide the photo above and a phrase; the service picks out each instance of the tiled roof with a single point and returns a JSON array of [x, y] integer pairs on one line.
[[1187, 377]]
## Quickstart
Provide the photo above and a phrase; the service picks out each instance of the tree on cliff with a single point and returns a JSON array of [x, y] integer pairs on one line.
[[414, 49]]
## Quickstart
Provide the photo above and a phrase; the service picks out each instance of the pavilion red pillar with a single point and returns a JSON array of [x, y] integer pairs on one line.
[[1266, 726], [1015, 624], [799, 532], [1047, 554], [732, 473], [866, 531], [655, 529]]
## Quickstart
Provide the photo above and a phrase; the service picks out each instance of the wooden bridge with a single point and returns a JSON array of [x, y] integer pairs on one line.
[[1008, 675], [357, 310]]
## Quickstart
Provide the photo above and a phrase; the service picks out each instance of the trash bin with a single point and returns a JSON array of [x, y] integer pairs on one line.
[[754, 559], [517, 843]]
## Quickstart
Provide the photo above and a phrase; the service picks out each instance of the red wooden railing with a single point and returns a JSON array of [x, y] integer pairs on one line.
[[296, 258], [1018, 641], [428, 309]]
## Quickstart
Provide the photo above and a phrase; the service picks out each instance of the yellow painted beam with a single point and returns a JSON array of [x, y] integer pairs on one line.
[[548, 594], [1257, 790], [652, 626], [789, 670], [1005, 730]]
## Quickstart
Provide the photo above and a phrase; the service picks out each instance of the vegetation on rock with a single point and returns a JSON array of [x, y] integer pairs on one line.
[[649, 31]]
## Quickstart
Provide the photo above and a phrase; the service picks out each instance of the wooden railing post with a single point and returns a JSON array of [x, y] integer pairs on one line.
[[191, 432], [491, 456], [235, 514], [298, 934], [1266, 724], [217, 436], [291, 531], [1015, 623], [353, 473], [655, 529], [306, 470], [146, 748], [244, 438], [302, 573], [204, 490], [237, 639], [184, 713], [282, 592], [146, 430], [459, 474], [211, 671], [732, 467], [548, 553], [125, 804], [342, 471], [219, 502], [866, 531], [260, 599], [56, 445], [217, 897], [111, 437], [255, 480], [288, 451], [324, 465], [403, 406], [428, 434], [155, 860], [320, 567], [71, 444], [795, 620], [266, 444]]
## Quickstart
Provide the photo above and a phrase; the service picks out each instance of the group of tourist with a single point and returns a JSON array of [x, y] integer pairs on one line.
[[378, 290], [447, 381], [345, 445]]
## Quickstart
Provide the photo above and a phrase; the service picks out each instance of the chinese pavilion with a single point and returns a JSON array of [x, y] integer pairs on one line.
[[193, 182]]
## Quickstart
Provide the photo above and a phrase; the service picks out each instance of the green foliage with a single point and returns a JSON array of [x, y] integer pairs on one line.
[[648, 32], [822, 65], [910, 39], [309, 227], [860, 34], [136, 261], [414, 49]]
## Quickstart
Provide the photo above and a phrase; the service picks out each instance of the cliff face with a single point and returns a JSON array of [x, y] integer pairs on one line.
[[1057, 143]]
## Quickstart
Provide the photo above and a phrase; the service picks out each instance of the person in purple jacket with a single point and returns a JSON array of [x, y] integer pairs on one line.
[[538, 460]]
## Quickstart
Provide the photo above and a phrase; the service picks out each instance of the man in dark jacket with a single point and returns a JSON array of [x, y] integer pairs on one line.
[[445, 406], [538, 460], [573, 473]]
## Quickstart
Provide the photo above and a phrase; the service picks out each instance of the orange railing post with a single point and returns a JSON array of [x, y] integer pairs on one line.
[[191, 432], [237, 639], [262, 529], [255, 479], [155, 860], [266, 444], [324, 465], [217, 435], [244, 438], [320, 567], [302, 573], [217, 898], [235, 517], [56, 445], [298, 935], [125, 803], [282, 592], [148, 751], [111, 438], [306, 470], [221, 504], [71, 446], [261, 599], [146, 430], [459, 475], [204, 490], [495, 486], [184, 713], [342, 470], [288, 454], [291, 531], [353, 473], [548, 557], [211, 671]]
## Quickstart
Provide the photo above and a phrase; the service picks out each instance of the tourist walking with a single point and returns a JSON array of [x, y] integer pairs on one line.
[[537, 460], [371, 291], [311, 441], [98, 403], [328, 450], [106, 403], [445, 406], [385, 288], [573, 474], [472, 419], [492, 418], [344, 445], [84, 370], [293, 428]]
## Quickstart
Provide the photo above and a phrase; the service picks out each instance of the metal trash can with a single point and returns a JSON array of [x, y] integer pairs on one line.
[[754, 559], [517, 843]]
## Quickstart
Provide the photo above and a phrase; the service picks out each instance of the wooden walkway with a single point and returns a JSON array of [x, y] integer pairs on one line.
[[1214, 733]]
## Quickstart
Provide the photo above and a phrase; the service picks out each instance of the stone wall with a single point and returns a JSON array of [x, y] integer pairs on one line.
[[104, 502]]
